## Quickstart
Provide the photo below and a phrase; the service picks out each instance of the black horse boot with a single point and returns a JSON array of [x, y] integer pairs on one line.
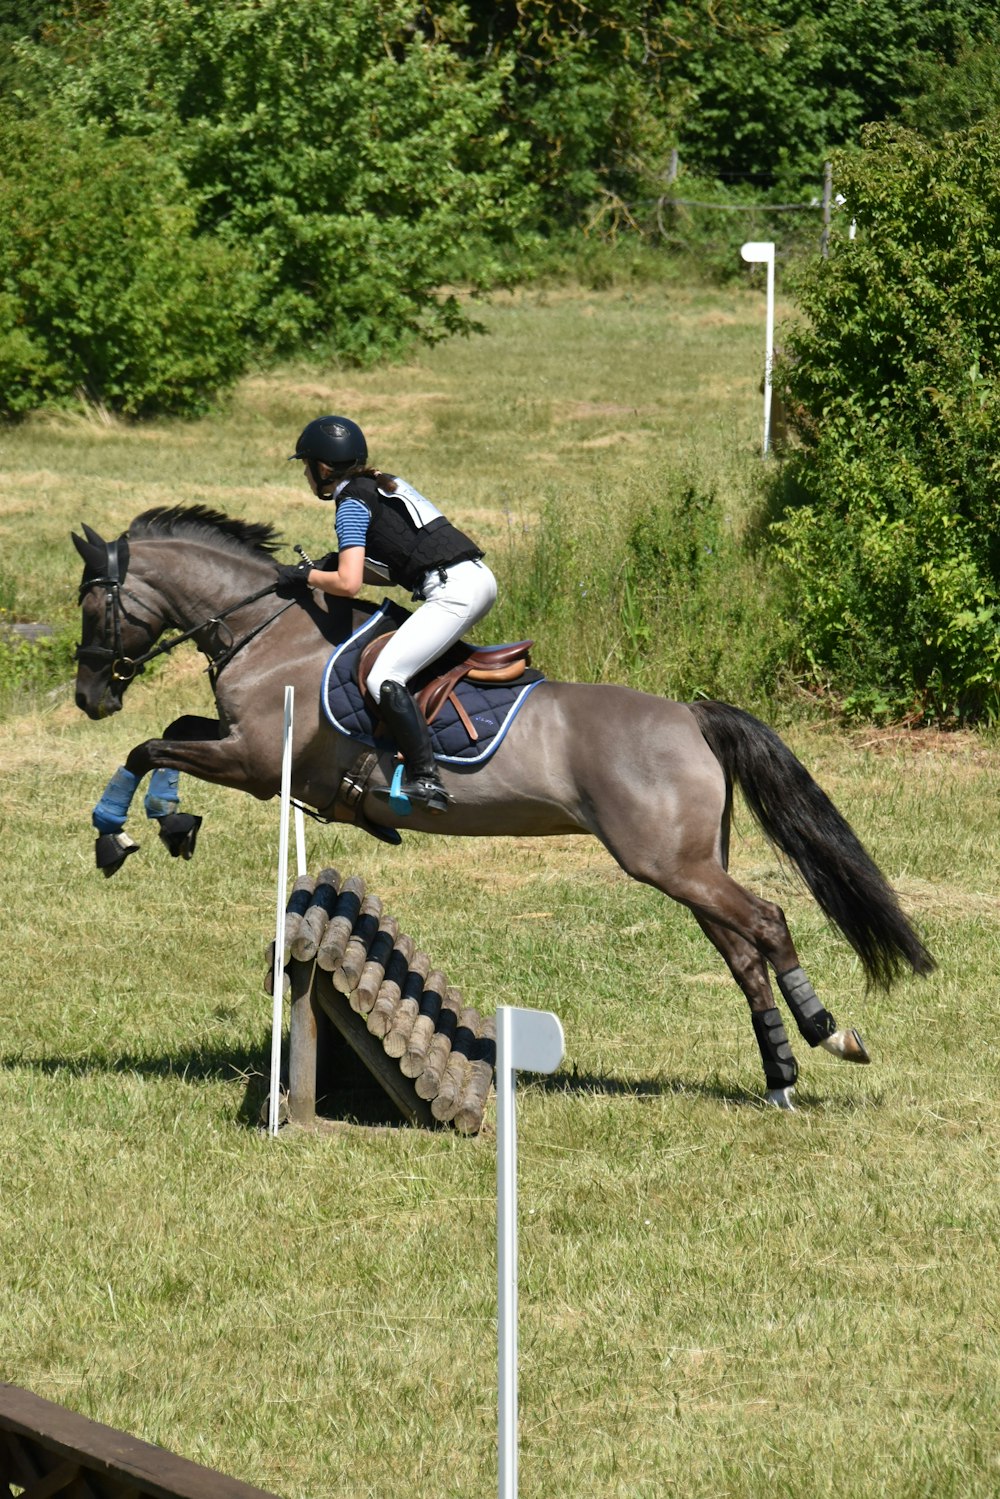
[[421, 784]]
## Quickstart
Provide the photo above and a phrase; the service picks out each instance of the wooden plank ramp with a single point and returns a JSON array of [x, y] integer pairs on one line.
[[46, 1450]]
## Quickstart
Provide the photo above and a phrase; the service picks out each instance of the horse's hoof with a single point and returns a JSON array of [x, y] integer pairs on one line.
[[848, 1046], [179, 831], [781, 1098], [111, 850]]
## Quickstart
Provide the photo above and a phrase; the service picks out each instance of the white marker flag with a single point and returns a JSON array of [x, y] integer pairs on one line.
[[761, 252]]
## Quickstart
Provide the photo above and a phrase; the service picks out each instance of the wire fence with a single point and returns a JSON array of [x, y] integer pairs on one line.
[[667, 212]]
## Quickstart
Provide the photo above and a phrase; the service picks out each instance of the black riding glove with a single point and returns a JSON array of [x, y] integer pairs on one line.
[[296, 576]]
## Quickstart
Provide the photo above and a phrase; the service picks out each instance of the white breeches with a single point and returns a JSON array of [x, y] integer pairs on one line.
[[450, 608]]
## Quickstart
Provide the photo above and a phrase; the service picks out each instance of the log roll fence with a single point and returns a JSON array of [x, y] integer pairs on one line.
[[348, 962]]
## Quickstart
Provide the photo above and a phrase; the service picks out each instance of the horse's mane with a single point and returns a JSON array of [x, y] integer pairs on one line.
[[201, 520]]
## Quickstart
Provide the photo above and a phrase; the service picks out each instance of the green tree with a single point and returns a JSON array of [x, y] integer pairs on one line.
[[954, 98], [891, 527], [106, 292], [755, 90], [345, 150], [588, 92], [773, 85]]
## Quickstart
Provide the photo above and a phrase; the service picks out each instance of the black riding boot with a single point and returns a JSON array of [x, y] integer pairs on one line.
[[421, 783]]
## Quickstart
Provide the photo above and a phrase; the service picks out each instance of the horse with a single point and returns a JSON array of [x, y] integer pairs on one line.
[[651, 778]]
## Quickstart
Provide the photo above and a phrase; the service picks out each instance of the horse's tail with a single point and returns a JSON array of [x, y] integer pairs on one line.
[[803, 824]]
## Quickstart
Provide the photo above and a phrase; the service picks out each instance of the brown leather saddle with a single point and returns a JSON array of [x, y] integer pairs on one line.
[[488, 663]]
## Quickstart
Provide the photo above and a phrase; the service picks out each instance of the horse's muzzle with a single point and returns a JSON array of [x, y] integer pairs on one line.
[[105, 706]]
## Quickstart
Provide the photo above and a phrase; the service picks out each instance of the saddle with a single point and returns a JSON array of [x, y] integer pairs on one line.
[[488, 663]]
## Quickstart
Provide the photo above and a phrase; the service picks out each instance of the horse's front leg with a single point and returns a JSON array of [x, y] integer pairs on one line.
[[178, 830]]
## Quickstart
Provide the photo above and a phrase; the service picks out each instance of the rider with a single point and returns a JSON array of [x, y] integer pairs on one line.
[[384, 524]]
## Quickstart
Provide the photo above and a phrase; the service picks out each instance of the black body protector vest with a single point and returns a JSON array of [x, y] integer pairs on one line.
[[408, 537]]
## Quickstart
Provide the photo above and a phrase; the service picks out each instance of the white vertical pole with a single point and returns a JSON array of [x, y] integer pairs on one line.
[[506, 1261], [533, 1041], [761, 252], [769, 352], [277, 995]]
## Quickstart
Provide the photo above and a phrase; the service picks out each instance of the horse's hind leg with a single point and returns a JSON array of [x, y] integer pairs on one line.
[[750, 933], [673, 834], [815, 1023], [688, 864], [737, 927], [750, 972]]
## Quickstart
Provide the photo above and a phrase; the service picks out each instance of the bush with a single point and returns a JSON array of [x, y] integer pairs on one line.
[[892, 606], [890, 523], [29, 668], [106, 290]]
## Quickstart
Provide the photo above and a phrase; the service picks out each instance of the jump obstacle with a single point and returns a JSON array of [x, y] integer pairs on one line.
[[353, 976], [346, 961]]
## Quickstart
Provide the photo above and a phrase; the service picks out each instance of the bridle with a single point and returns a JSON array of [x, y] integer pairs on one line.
[[125, 668]]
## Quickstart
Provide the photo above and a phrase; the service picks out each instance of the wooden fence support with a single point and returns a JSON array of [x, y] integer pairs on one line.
[[302, 1046]]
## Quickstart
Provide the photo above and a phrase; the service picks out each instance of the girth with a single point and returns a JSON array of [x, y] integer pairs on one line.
[[488, 663]]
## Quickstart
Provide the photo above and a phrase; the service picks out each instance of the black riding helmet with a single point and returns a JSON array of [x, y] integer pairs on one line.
[[334, 440]]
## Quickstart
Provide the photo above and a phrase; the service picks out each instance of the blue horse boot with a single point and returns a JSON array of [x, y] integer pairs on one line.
[[113, 844], [111, 811], [178, 830]]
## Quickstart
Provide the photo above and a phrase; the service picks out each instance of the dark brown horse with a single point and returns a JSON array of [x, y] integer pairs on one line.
[[652, 779]]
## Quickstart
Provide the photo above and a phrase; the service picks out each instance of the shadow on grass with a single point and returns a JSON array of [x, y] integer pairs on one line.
[[714, 1090], [352, 1096], [349, 1093], [600, 1085]]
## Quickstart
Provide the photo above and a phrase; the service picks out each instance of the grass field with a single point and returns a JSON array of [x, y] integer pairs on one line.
[[716, 1299]]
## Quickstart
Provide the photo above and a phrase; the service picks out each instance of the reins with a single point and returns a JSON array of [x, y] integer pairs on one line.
[[125, 668]]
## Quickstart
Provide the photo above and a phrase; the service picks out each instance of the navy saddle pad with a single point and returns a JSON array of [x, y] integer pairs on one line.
[[491, 708]]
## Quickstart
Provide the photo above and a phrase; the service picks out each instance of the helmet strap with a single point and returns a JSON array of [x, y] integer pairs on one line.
[[312, 465]]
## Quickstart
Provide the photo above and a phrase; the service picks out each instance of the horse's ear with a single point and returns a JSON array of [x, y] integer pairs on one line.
[[94, 537], [93, 552]]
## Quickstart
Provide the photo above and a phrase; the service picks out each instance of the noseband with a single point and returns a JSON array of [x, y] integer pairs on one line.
[[125, 668]]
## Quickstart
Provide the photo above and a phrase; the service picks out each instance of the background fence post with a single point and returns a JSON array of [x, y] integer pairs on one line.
[[824, 243]]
